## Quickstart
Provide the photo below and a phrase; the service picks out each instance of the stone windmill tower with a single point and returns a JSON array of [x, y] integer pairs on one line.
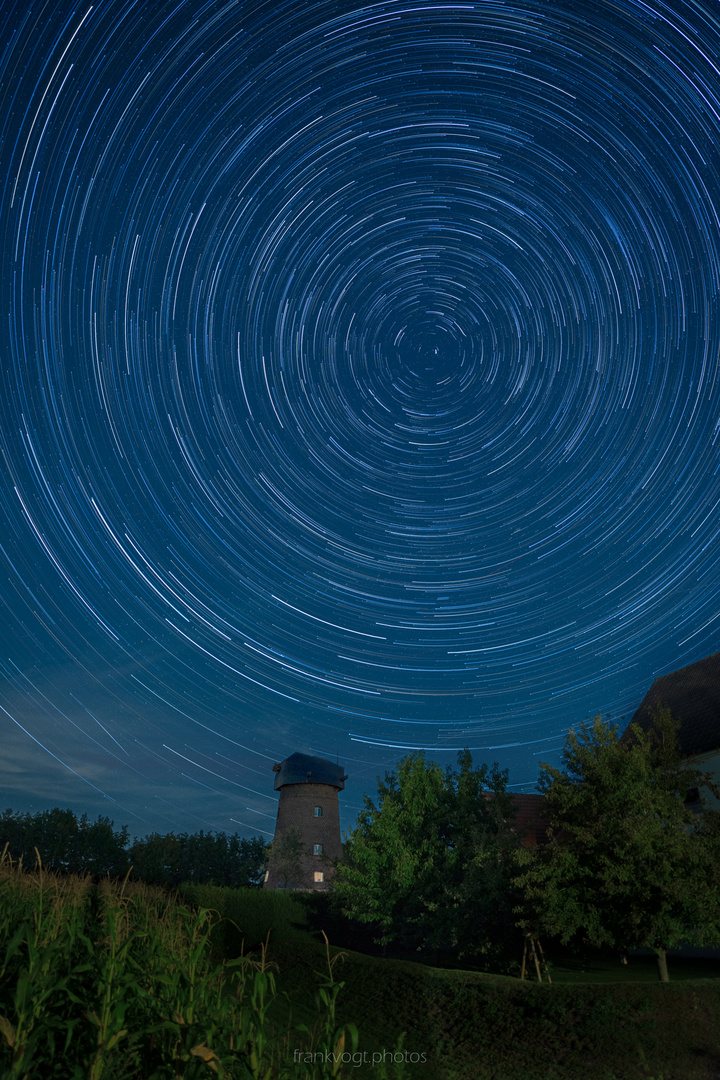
[[307, 832]]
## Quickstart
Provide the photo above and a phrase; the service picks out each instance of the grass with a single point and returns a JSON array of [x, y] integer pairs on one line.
[[600, 1020], [474, 1026], [249, 915], [119, 981], [115, 981], [639, 969]]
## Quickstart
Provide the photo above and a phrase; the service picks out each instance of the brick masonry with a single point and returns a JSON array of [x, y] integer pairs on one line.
[[296, 807]]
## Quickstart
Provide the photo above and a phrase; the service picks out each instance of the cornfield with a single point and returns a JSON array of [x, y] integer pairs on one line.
[[116, 981]]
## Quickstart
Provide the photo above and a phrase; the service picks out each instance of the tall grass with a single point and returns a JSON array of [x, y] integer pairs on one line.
[[117, 981], [250, 914], [41, 922]]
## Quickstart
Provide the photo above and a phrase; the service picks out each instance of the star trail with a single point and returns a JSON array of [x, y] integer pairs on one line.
[[359, 387]]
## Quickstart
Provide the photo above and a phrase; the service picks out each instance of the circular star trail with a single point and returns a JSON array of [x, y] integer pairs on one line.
[[360, 385]]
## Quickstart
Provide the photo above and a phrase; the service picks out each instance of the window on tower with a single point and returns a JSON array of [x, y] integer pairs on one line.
[[319, 876], [317, 849], [318, 811]]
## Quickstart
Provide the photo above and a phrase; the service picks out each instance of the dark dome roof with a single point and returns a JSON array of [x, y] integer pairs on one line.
[[692, 694], [305, 769]]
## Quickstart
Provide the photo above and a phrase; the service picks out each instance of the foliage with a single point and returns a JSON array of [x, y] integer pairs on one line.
[[285, 857], [79, 846], [112, 981], [104, 981], [628, 865], [468, 1025], [430, 865], [66, 843], [249, 915], [203, 858]]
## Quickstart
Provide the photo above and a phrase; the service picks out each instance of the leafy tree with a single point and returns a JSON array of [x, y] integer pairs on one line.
[[204, 858], [478, 888], [247, 859], [65, 843], [102, 850], [429, 866], [627, 865], [96, 847], [286, 857], [157, 859]]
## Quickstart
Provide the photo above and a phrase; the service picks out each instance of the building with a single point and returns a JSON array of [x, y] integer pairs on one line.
[[307, 841], [532, 819], [692, 694]]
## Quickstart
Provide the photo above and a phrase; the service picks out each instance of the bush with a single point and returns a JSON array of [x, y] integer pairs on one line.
[[473, 1026], [249, 915]]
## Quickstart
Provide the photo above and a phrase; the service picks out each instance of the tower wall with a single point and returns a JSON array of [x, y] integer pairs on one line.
[[296, 807]]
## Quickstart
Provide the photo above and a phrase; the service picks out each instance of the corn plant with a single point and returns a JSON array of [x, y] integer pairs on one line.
[[115, 988], [39, 1027], [185, 993], [108, 981], [328, 1041], [255, 993]]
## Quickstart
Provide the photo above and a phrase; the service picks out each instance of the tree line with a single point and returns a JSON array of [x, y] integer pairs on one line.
[[437, 867], [75, 845]]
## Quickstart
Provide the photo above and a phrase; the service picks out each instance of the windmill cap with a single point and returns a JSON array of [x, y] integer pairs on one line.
[[306, 769]]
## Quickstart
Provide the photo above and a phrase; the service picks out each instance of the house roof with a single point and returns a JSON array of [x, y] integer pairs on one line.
[[305, 769], [692, 694]]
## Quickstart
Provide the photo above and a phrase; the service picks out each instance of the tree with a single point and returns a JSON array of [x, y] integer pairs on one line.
[[65, 843], [203, 858], [479, 890], [247, 860], [84, 847], [429, 866], [102, 850], [286, 857], [157, 859], [627, 864]]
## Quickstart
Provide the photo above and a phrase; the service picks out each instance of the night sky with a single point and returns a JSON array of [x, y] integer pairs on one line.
[[360, 388]]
